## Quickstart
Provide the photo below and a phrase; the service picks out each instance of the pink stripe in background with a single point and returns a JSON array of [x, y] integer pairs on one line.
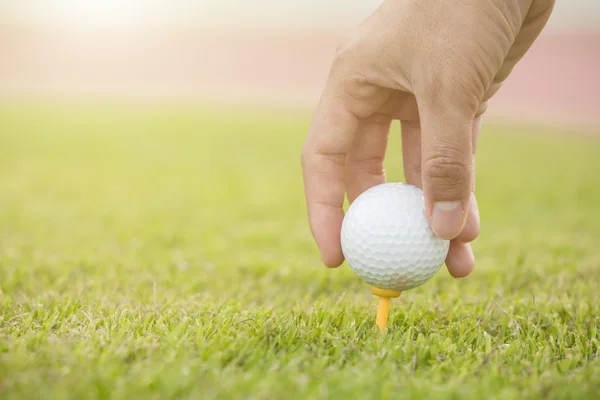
[[558, 80]]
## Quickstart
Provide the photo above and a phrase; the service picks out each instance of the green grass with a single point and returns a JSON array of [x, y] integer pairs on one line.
[[164, 253]]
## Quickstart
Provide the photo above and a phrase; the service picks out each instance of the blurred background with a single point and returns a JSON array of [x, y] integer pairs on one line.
[[255, 52]]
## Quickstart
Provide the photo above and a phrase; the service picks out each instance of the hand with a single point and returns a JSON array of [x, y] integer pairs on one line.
[[433, 65]]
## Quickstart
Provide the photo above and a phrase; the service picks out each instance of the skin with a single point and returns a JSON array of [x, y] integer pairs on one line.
[[433, 65]]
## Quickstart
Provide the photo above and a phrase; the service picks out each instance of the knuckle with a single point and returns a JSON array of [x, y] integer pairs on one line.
[[371, 166], [412, 171], [351, 77], [305, 156], [452, 82], [414, 168], [315, 160], [345, 53], [348, 45], [447, 170]]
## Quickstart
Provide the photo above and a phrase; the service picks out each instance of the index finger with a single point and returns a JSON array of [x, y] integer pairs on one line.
[[323, 164]]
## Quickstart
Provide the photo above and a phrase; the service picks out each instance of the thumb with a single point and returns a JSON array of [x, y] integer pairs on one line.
[[447, 161]]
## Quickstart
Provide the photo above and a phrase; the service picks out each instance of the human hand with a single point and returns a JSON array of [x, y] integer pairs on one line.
[[433, 65]]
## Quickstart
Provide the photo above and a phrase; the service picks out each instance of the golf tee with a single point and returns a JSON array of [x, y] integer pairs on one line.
[[383, 308]]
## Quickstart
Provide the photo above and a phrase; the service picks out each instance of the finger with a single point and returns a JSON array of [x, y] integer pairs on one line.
[[364, 162], [411, 152], [460, 261], [411, 157], [323, 162], [447, 163]]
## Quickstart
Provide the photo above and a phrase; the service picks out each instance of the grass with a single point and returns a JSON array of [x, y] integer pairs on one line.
[[164, 253]]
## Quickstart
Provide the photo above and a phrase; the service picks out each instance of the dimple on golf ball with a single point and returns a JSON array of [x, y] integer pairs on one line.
[[387, 240]]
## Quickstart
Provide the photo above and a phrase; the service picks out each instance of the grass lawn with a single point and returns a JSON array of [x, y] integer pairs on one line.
[[164, 253]]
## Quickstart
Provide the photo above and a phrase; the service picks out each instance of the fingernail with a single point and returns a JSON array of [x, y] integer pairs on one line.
[[447, 219]]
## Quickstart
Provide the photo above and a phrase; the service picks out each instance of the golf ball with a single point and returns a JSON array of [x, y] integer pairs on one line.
[[387, 240]]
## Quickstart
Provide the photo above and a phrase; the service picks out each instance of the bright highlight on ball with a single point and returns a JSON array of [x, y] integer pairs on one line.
[[387, 241]]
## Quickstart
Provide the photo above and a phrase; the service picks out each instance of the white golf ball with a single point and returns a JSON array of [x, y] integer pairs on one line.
[[387, 240]]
